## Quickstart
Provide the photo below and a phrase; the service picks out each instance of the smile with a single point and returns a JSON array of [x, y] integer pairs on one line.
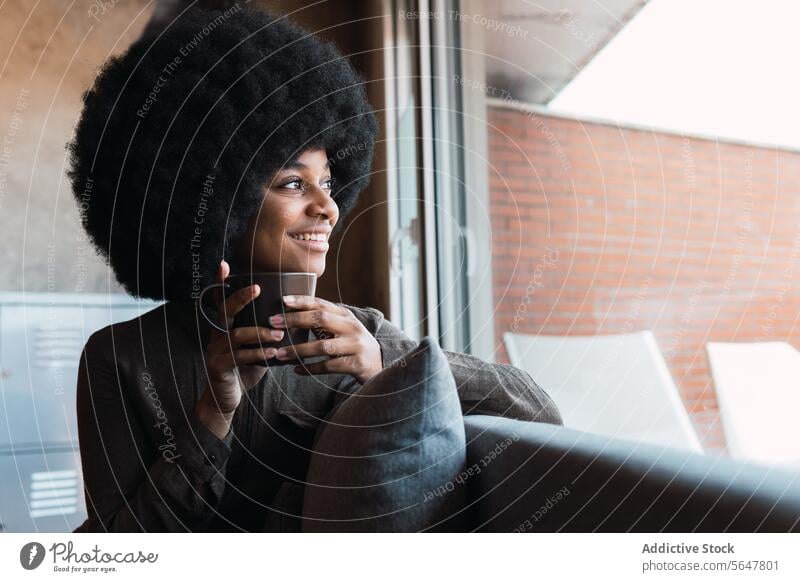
[[318, 236], [320, 245]]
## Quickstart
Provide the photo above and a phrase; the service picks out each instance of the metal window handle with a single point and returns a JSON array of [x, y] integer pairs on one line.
[[394, 263], [469, 250], [411, 231]]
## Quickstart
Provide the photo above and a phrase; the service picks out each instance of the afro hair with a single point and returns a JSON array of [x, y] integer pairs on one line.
[[180, 134]]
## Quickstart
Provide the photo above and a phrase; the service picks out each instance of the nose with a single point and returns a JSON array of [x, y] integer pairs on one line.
[[321, 205]]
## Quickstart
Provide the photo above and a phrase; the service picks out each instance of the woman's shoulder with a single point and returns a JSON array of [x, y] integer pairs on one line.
[[128, 332]]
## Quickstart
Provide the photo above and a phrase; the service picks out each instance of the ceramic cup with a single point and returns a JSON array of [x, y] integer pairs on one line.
[[269, 302]]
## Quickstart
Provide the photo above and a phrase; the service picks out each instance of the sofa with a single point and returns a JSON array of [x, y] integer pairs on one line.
[[559, 479], [400, 457]]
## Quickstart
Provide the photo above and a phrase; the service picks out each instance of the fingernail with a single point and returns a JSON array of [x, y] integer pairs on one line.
[[289, 298], [256, 289], [277, 333], [276, 319], [282, 353]]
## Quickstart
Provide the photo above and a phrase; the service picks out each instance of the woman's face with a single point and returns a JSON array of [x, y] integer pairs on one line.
[[297, 209]]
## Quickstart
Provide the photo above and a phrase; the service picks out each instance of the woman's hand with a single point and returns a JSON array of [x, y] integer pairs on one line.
[[352, 348], [224, 356]]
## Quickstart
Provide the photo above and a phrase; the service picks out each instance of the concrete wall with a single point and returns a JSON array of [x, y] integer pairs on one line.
[[51, 52]]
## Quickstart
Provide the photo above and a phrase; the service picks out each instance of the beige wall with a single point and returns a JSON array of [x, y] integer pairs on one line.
[[50, 54]]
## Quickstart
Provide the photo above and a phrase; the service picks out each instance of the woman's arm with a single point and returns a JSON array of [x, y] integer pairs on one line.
[[129, 485], [483, 387]]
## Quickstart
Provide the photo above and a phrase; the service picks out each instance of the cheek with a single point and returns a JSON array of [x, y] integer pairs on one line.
[[277, 217]]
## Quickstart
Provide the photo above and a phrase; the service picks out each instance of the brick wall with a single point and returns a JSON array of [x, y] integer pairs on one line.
[[694, 239]]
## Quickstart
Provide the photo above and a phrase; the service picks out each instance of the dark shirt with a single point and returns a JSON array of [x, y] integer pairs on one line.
[[150, 465]]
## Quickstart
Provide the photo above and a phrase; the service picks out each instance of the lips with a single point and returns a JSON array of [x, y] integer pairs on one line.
[[317, 229], [310, 235], [311, 245]]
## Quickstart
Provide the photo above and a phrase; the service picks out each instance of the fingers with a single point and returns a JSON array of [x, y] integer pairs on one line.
[[318, 319], [228, 360], [235, 302], [244, 335], [344, 365], [223, 270], [307, 302], [335, 348]]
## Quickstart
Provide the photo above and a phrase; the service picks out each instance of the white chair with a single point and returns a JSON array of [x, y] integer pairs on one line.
[[613, 385], [758, 390]]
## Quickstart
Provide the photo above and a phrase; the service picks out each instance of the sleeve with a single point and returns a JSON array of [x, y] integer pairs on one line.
[[129, 485], [483, 387]]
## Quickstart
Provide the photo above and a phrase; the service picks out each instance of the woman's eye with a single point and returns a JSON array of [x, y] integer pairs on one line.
[[295, 184], [298, 184]]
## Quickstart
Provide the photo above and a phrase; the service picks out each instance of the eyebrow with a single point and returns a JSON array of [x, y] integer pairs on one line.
[[297, 165]]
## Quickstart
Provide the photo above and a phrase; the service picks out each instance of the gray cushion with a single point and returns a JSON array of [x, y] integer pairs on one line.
[[390, 456]]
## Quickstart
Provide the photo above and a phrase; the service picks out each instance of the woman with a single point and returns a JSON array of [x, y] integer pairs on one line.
[[218, 139]]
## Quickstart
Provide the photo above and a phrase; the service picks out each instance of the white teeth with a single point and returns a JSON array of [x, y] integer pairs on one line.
[[310, 236]]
